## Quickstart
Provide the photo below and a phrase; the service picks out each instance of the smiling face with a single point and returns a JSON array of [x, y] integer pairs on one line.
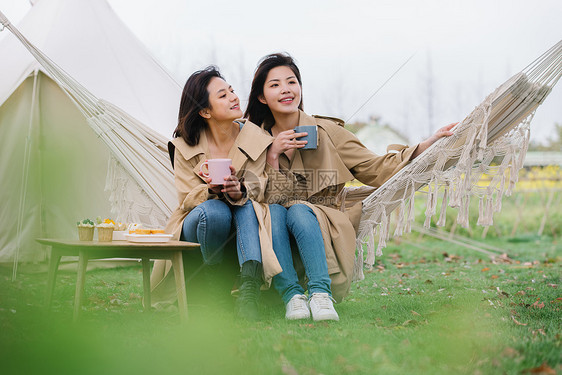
[[224, 104], [281, 91]]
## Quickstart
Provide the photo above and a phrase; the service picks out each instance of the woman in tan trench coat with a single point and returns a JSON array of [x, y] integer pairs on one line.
[[318, 175], [207, 130]]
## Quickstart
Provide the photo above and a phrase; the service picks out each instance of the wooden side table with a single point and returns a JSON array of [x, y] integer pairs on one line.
[[86, 250]]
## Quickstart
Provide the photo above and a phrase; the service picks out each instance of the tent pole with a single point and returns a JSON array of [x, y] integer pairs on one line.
[[25, 175]]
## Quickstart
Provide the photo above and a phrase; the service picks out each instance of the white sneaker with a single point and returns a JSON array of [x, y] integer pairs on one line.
[[297, 308], [322, 307]]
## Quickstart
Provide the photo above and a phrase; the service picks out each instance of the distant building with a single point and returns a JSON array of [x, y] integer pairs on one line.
[[376, 136], [542, 158]]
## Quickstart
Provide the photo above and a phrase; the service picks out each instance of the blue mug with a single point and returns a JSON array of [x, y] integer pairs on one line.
[[312, 136]]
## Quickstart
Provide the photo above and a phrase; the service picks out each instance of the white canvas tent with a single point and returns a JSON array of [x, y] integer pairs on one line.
[[54, 167]]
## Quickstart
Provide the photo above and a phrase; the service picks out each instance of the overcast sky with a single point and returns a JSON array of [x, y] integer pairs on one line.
[[347, 49]]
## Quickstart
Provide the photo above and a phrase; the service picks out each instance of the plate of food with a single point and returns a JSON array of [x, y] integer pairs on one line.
[[148, 235]]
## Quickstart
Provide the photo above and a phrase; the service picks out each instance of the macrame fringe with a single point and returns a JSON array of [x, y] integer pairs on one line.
[[458, 185], [411, 211], [443, 213], [431, 203], [489, 212], [370, 261], [129, 203], [383, 233], [400, 219], [358, 274]]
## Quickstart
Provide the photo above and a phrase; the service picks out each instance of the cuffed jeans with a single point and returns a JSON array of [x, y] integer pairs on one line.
[[211, 225], [303, 225]]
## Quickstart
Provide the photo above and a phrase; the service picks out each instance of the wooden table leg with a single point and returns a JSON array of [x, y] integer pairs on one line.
[[80, 280], [177, 264], [53, 267], [146, 284]]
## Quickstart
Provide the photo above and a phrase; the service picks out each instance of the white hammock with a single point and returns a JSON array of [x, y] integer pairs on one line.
[[139, 155], [496, 130]]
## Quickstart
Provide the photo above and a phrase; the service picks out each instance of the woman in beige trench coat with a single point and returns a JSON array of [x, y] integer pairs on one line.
[[320, 174], [206, 213]]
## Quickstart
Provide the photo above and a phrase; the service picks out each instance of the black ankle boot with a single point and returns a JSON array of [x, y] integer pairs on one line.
[[251, 280]]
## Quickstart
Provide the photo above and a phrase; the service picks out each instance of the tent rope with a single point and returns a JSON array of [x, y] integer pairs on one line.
[[25, 176], [3, 21]]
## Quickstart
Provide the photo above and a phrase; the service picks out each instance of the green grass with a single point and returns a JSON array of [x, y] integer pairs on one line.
[[417, 312]]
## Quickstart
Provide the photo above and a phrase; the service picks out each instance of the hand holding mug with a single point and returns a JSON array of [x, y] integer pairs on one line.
[[287, 140], [217, 170], [215, 189], [232, 185], [220, 175]]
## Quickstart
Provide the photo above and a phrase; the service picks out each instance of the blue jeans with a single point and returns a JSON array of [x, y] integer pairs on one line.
[[211, 225], [303, 225]]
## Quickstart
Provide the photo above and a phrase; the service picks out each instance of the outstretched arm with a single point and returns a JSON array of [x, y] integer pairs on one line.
[[445, 131]]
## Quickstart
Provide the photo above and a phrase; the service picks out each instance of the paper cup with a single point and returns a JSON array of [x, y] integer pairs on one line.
[[86, 233], [105, 234]]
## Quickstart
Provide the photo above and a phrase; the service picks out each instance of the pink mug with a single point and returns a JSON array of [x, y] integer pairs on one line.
[[217, 169]]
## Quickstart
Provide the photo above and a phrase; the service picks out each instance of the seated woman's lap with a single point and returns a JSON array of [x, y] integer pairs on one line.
[[247, 233], [209, 224], [278, 215], [302, 224]]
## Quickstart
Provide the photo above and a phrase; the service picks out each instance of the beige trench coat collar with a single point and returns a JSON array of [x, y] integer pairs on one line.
[[250, 143]]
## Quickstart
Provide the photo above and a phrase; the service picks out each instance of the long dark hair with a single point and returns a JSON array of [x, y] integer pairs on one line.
[[194, 98], [257, 112]]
